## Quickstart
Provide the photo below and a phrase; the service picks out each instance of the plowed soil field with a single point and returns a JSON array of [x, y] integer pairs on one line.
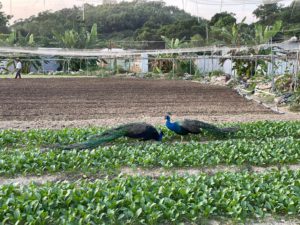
[[78, 102], [92, 98]]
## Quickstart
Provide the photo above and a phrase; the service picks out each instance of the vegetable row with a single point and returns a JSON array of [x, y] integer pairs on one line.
[[256, 130], [269, 151], [142, 200]]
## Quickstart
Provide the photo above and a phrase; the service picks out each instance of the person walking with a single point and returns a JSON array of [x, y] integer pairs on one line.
[[19, 68]]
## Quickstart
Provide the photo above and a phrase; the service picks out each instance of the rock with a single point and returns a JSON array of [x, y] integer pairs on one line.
[[58, 73], [221, 80], [244, 84], [264, 86], [283, 99], [228, 77], [230, 82], [278, 78], [206, 79], [188, 76]]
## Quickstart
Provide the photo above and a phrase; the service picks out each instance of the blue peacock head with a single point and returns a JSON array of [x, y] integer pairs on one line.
[[167, 117]]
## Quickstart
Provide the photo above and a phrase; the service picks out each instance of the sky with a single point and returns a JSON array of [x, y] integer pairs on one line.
[[21, 9]]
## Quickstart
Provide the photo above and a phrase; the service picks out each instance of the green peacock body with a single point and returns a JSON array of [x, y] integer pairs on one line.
[[187, 126], [142, 131]]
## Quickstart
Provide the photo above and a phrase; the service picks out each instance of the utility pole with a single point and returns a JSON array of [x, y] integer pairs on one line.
[[206, 33], [10, 7], [83, 11], [272, 67], [183, 4], [197, 11], [221, 5]]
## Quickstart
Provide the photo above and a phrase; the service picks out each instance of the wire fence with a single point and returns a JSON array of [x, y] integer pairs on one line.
[[194, 62], [203, 65]]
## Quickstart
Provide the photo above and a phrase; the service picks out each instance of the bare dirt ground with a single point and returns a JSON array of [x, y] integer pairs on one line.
[[81, 102]]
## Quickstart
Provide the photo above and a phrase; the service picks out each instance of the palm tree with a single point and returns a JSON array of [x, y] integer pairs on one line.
[[15, 38], [165, 63], [263, 35], [73, 39]]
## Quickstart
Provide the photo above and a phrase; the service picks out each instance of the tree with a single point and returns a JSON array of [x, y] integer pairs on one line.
[[223, 19], [73, 39], [174, 43], [268, 13], [264, 34], [184, 29], [4, 21], [290, 16], [197, 40], [165, 63], [136, 20], [230, 34]]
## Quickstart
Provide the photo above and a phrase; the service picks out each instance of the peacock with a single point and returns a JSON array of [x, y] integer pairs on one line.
[[142, 131], [195, 127]]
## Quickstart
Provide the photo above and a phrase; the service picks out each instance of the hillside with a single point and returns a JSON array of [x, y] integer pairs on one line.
[[126, 21]]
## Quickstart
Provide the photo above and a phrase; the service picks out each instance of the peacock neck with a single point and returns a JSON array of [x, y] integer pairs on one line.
[[171, 126]]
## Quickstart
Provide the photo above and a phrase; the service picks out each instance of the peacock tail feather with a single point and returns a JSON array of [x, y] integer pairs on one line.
[[222, 131], [141, 131], [96, 140]]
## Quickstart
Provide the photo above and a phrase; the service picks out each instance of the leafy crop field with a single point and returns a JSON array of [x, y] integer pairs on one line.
[[138, 200], [120, 199]]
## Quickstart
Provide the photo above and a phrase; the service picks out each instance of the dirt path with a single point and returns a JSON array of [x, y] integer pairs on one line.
[[28, 179], [265, 221], [53, 124], [196, 171], [157, 172]]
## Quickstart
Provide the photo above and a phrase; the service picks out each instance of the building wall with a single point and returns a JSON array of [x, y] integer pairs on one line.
[[207, 64]]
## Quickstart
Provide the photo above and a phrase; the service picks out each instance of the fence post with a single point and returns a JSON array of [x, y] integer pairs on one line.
[[212, 61], [255, 67], [43, 68], [80, 64], [173, 68], [204, 65], [87, 69], [296, 72], [68, 65], [272, 68], [231, 68]]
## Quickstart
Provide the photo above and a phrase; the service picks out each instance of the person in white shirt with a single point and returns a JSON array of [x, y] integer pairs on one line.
[[19, 68]]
